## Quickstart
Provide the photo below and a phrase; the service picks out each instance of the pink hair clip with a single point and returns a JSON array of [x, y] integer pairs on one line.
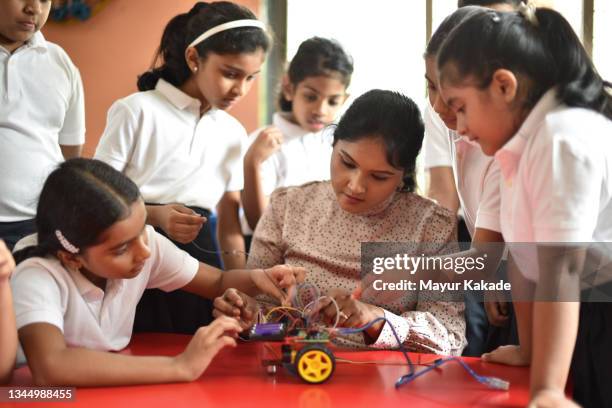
[[65, 243]]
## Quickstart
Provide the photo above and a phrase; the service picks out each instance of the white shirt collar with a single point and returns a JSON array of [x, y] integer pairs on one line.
[[177, 97], [509, 155], [289, 129], [37, 42]]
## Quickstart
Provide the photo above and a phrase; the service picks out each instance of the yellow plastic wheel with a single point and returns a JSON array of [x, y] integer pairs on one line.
[[315, 364]]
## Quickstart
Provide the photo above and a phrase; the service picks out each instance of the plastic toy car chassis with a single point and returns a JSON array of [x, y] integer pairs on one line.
[[303, 353]]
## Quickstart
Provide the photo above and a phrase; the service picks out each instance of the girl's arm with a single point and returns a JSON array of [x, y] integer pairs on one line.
[[52, 362], [211, 282], [229, 233], [8, 332], [555, 316], [254, 200], [70, 152], [441, 188]]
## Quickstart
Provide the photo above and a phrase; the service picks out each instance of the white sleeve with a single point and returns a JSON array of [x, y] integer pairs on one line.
[[436, 148], [117, 142], [172, 268], [487, 216], [37, 297], [269, 175], [565, 181], [236, 158], [73, 128]]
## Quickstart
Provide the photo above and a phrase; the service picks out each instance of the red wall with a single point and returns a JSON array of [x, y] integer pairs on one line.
[[118, 43]]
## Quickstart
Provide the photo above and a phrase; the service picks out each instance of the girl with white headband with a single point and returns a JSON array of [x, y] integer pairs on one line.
[[76, 288], [177, 143]]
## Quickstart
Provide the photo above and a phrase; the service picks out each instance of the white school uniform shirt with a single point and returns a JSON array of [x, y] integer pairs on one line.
[[557, 177], [436, 143], [45, 292], [477, 176], [42, 107], [159, 140], [303, 157]]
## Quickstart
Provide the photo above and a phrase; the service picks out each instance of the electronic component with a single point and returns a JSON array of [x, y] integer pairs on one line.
[[268, 332]]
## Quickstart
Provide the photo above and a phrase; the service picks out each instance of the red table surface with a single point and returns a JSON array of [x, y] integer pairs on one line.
[[236, 378]]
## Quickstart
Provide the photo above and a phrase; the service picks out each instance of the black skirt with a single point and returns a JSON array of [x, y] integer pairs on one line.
[[179, 311], [592, 361]]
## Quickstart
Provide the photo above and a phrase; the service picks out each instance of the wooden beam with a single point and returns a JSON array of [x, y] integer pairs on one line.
[[588, 10], [428, 20]]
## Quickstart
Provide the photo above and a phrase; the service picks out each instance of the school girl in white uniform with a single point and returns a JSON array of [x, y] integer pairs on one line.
[[175, 140]]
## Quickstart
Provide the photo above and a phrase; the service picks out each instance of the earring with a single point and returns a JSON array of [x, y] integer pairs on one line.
[[401, 186], [195, 69]]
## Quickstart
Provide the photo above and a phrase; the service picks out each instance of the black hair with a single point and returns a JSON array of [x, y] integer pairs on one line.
[[445, 28], [186, 27], [317, 57], [488, 3], [391, 116], [543, 52], [81, 199]]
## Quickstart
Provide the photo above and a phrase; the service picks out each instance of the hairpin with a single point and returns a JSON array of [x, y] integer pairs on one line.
[[65, 243]]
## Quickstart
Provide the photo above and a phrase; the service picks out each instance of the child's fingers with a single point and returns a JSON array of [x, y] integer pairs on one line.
[[234, 297], [267, 282], [222, 342], [223, 324], [188, 219], [247, 314], [185, 229], [225, 307]]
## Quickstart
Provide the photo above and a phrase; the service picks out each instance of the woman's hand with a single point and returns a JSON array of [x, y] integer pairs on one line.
[[237, 305], [204, 345], [353, 313], [280, 281]]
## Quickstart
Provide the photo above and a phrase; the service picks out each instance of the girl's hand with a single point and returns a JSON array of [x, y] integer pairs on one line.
[[497, 309], [237, 305], [267, 143], [7, 264], [353, 313], [280, 281], [497, 313], [204, 345], [182, 224], [551, 399]]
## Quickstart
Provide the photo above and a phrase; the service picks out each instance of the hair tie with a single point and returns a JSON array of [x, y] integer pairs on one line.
[[227, 26], [65, 243], [495, 16], [528, 11]]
